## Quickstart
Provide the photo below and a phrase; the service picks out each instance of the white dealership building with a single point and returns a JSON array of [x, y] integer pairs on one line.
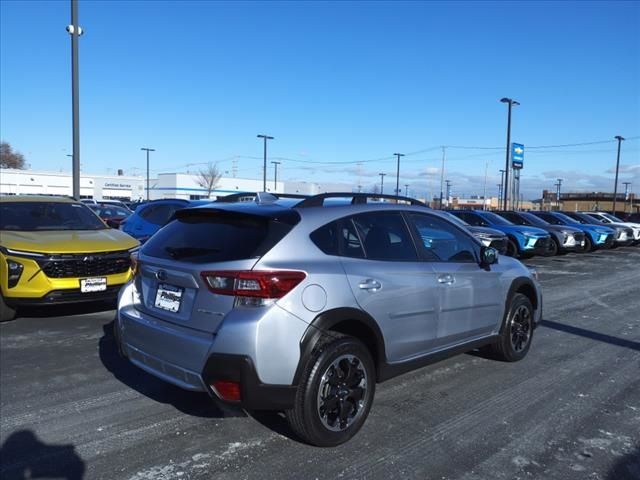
[[164, 185]]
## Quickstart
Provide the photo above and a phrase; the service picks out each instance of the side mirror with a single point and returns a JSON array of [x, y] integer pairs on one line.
[[488, 256]]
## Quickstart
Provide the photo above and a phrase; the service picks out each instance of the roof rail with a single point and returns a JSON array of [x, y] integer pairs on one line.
[[356, 199], [252, 196]]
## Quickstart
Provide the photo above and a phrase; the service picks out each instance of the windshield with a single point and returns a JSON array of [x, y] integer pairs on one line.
[[566, 218], [584, 219], [613, 218], [37, 216], [533, 220], [111, 211], [496, 219], [455, 219]]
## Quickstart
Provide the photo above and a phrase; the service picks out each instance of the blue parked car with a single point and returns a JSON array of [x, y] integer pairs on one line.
[[596, 236], [521, 240], [151, 216]]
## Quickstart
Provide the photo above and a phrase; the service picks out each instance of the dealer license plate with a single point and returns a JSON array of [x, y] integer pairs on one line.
[[168, 297], [89, 285]]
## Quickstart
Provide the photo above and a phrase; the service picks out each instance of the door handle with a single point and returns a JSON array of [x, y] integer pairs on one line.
[[446, 279], [370, 285]]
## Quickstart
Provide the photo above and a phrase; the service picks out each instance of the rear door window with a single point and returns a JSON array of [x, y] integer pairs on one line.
[[385, 236], [203, 237]]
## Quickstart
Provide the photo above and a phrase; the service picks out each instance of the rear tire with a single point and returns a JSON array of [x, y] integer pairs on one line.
[[335, 392], [6, 312], [517, 331]]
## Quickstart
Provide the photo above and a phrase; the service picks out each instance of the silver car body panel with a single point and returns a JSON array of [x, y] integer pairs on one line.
[[417, 312]]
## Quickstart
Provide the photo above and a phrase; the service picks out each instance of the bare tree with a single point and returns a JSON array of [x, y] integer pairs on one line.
[[9, 158], [208, 177]]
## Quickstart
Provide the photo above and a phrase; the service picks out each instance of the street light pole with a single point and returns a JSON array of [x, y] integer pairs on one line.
[[398, 172], [511, 102], [615, 186], [382, 175], [75, 31], [406, 189], [444, 154], [145, 149], [275, 177], [558, 186], [626, 195], [264, 172]]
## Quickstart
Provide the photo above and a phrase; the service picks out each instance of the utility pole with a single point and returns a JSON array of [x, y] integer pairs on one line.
[[382, 175], [406, 189], [147, 150], [398, 172], [484, 194], [511, 102], [75, 31], [275, 178], [558, 186], [626, 195], [615, 186], [448, 191], [444, 154], [264, 167]]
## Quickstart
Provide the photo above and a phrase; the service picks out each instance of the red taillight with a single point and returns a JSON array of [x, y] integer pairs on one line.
[[253, 283], [229, 391]]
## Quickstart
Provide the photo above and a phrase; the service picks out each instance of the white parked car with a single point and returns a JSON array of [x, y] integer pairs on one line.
[[605, 217]]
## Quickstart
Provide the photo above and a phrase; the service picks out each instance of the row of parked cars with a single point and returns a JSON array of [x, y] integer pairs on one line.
[[290, 303]]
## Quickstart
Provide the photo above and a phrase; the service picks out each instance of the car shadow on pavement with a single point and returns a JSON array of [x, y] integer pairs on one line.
[[23, 455], [191, 403], [628, 468], [582, 332], [65, 310]]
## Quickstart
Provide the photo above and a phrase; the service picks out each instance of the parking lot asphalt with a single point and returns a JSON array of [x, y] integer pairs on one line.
[[71, 408]]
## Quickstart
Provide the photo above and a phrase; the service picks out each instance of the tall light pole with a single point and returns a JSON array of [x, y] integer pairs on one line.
[[264, 172], [75, 31], [145, 149], [444, 155], [382, 175], [406, 189], [511, 102], [626, 195], [558, 186], [398, 172], [275, 177], [615, 186]]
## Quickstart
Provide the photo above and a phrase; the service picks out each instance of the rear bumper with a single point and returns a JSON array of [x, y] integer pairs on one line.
[[254, 394]]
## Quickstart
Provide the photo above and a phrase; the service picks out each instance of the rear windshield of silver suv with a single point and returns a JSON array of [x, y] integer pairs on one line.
[[203, 236]]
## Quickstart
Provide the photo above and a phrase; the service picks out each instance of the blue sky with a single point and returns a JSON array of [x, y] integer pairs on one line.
[[333, 82]]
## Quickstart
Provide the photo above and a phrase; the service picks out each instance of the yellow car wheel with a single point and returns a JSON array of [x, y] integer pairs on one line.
[[6, 313]]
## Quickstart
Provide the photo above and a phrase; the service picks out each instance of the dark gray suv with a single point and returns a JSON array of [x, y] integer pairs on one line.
[[304, 306]]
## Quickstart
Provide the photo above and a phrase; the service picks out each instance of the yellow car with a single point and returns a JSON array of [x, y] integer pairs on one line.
[[55, 250]]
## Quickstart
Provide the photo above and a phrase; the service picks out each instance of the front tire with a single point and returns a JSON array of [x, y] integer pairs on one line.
[[335, 392], [512, 248], [517, 331], [553, 249], [6, 312], [588, 244]]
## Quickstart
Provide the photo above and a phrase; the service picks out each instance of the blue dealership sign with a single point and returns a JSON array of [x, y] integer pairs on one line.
[[517, 155]]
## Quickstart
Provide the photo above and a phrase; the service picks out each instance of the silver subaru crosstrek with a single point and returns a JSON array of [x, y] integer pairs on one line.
[[304, 307]]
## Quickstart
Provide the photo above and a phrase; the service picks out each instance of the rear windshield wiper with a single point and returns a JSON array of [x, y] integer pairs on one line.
[[182, 252]]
